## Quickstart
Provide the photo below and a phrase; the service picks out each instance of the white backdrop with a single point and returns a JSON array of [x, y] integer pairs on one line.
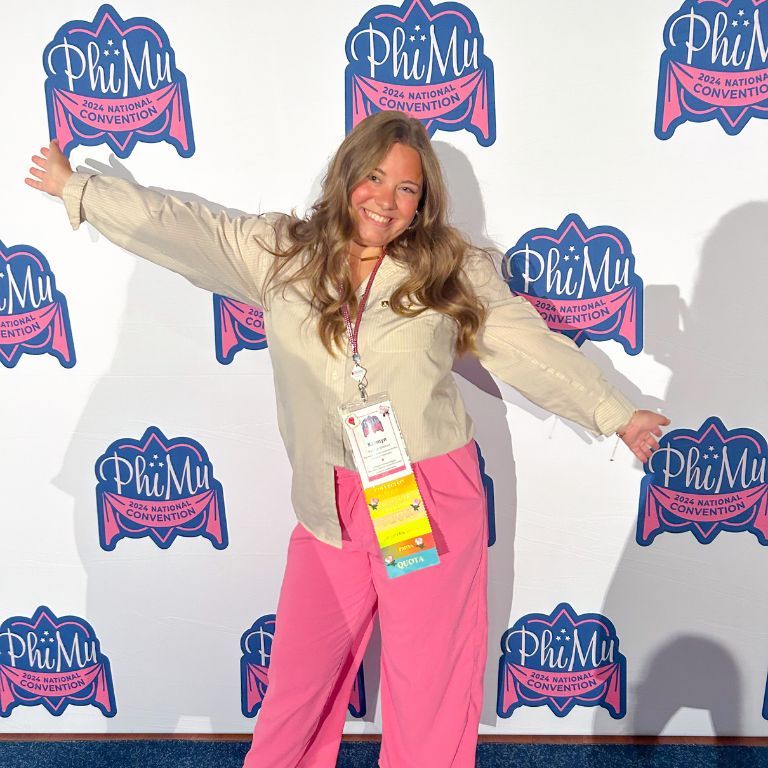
[[575, 101]]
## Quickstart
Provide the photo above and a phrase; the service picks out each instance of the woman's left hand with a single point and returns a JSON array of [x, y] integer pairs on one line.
[[641, 433]]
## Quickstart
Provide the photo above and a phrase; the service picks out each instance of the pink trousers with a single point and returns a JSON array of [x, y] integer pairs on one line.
[[433, 632]]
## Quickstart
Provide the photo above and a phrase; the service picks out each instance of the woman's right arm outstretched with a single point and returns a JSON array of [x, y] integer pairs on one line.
[[212, 250]]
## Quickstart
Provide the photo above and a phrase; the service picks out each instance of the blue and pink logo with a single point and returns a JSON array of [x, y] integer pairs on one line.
[[560, 661], [705, 481], [490, 504], [582, 281], [425, 60], [54, 662], [115, 82], [33, 315], [256, 645], [714, 66], [236, 326], [159, 489]]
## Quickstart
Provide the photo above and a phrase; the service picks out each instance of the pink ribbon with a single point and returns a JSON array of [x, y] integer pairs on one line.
[[703, 85], [547, 683], [718, 508], [49, 318], [256, 680], [232, 314], [104, 115], [569, 314], [95, 674], [116, 507], [424, 102]]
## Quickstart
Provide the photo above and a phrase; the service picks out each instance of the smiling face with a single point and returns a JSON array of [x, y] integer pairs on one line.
[[385, 203]]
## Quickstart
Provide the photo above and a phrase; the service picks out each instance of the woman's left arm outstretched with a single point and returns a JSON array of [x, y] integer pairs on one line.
[[548, 368]]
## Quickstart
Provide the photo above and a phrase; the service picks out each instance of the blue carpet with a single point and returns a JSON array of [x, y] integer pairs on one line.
[[202, 754]]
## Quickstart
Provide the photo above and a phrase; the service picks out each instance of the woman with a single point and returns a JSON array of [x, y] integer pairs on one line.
[[375, 250]]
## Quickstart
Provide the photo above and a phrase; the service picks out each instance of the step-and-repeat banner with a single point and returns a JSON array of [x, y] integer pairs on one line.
[[612, 156]]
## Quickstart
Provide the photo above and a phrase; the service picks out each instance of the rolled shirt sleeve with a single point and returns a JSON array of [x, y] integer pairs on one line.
[[516, 345], [215, 251]]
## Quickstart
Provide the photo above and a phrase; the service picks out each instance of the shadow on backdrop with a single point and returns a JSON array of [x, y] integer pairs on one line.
[[488, 411], [165, 605], [674, 602]]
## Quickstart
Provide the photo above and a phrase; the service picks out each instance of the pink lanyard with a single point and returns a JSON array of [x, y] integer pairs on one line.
[[358, 372]]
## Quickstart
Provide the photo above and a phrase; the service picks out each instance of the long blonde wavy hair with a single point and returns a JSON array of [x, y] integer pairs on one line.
[[432, 250]]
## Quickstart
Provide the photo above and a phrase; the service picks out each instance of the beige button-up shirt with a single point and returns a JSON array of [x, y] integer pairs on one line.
[[409, 358]]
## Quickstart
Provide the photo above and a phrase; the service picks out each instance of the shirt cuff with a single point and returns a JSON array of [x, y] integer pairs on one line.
[[72, 194], [613, 413]]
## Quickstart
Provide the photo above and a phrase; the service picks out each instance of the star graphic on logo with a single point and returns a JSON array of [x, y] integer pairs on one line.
[[412, 38], [423, 37]]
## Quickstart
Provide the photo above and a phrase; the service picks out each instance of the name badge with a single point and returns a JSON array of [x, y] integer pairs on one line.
[[394, 501]]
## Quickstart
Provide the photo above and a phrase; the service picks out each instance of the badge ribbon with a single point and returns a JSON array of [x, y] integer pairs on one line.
[[394, 501]]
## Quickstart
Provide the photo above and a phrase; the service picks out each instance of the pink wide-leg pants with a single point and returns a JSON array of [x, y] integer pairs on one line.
[[433, 632]]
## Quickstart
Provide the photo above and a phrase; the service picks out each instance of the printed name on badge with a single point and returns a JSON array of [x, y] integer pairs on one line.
[[115, 82], [34, 319], [53, 662], [560, 661], [236, 326], [581, 280], [714, 65], [705, 481], [159, 489], [256, 646], [425, 60]]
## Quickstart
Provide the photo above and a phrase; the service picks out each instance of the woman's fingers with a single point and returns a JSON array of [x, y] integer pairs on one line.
[[51, 170]]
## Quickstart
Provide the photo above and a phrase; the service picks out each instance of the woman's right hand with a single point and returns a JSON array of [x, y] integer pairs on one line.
[[52, 172]]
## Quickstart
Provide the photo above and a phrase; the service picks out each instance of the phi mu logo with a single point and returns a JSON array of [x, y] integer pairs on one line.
[[54, 662], [236, 326], [33, 314], [115, 82], [562, 660], [158, 488], [705, 481], [714, 66], [423, 59], [256, 645], [582, 282]]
